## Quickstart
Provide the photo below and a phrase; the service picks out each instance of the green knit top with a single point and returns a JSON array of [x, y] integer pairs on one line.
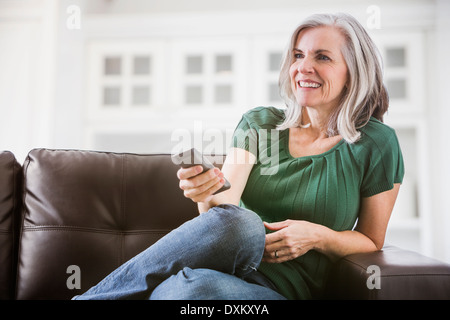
[[326, 188]]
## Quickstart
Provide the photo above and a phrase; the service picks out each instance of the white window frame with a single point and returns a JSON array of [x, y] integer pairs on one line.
[[96, 51], [413, 42], [263, 46], [208, 48]]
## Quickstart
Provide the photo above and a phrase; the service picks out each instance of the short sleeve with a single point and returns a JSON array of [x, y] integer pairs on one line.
[[245, 136], [384, 166], [256, 128]]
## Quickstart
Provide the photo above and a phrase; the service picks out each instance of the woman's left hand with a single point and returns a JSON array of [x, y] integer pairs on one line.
[[290, 239]]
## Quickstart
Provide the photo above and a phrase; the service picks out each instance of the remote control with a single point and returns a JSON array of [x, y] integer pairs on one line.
[[193, 157]]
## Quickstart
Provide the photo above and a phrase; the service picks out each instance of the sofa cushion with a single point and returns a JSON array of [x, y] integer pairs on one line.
[[85, 213], [10, 177]]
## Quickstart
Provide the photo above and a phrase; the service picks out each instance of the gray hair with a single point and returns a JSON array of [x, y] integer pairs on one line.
[[365, 94]]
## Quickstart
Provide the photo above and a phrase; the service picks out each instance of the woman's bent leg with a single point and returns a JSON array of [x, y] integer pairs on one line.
[[227, 238], [206, 284]]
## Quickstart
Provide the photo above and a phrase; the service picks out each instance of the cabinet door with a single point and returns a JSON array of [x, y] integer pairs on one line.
[[124, 77], [267, 58], [404, 58], [208, 74]]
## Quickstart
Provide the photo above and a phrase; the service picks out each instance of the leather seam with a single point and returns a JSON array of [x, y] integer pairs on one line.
[[400, 275], [416, 275], [123, 217], [92, 230]]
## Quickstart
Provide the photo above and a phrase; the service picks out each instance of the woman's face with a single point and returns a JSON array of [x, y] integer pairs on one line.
[[319, 72]]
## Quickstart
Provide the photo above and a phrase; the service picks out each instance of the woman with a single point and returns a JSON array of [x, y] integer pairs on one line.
[[337, 165]]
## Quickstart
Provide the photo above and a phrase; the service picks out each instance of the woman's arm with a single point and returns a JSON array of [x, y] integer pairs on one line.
[[295, 238], [200, 188]]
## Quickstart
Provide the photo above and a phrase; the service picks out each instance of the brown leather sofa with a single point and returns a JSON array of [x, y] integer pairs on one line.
[[69, 217]]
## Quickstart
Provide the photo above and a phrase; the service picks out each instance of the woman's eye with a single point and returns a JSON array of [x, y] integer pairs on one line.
[[325, 58], [298, 55]]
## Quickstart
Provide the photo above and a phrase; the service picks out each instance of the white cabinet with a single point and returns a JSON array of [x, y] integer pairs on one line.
[[267, 58], [140, 92], [124, 77], [208, 73], [404, 60]]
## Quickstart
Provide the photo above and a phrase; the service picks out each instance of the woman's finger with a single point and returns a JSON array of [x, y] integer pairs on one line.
[[186, 173], [209, 191], [200, 179], [277, 225]]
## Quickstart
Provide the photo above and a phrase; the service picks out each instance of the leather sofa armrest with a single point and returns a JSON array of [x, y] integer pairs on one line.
[[10, 185], [389, 274]]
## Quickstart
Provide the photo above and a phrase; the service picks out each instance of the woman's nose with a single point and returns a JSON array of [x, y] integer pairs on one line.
[[306, 66]]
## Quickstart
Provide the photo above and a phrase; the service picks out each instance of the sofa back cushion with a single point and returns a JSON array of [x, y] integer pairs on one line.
[[85, 213], [10, 178]]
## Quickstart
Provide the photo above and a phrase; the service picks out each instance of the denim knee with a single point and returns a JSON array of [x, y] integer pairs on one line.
[[244, 225]]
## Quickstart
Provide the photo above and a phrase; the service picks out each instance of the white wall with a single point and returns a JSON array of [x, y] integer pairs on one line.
[[439, 147], [27, 51]]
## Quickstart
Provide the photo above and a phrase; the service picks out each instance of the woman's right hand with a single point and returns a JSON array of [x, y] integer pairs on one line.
[[200, 186]]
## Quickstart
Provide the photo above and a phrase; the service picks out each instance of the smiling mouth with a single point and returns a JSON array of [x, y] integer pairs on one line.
[[307, 84]]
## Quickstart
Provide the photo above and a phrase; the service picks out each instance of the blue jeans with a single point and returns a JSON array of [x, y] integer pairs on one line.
[[207, 257]]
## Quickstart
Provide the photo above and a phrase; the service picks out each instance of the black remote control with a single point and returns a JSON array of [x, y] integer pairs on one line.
[[193, 157]]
